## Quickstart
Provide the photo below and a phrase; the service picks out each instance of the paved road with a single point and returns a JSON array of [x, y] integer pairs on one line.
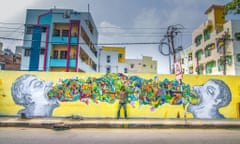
[[118, 136]]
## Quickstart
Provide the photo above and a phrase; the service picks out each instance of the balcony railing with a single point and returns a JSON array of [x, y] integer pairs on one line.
[[64, 40]]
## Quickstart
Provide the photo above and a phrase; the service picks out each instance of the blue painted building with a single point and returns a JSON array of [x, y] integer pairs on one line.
[[59, 40]]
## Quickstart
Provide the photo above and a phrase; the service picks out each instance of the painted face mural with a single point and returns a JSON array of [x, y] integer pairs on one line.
[[213, 95], [31, 92]]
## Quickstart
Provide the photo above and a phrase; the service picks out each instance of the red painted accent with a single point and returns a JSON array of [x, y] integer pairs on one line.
[[46, 49], [39, 17], [68, 46], [47, 38], [78, 45]]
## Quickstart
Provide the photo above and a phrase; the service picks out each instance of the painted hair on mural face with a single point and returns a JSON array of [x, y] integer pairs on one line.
[[31, 92], [213, 95]]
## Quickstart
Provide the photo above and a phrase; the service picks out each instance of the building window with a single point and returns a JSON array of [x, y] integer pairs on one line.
[[108, 59], [42, 51], [44, 29], [237, 35], [190, 57], [199, 69], [125, 70], [182, 60], [220, 64], [63, 54], [198, 40], [206, 34], [229, 60], [220, 45], [207, 52], [144, 65], [108, 69], [132, 66], [209, 66], [64, 33], [238, 57], [199, 54], [56, 32], [27, 52], [90, 26], [55, 54], [119, 56], [29, 30]]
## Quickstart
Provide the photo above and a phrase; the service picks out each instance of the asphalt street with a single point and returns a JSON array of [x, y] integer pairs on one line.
[[13, 135]]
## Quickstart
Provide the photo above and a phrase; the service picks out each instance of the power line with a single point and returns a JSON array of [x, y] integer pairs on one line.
[[99, 44]]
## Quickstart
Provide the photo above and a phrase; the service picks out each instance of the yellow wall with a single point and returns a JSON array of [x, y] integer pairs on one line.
[[103, 109]]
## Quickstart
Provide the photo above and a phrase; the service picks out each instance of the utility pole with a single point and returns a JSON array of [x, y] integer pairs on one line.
[[168, 40], [224, 39]]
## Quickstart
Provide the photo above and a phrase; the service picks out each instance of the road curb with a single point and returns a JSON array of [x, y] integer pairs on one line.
[[114, 123]]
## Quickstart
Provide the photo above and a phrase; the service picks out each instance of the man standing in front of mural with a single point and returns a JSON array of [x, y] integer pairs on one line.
[[213, 95], [31, 92], [122, 102]]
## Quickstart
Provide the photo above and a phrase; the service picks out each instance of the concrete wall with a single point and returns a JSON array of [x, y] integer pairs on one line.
[[93, 95]]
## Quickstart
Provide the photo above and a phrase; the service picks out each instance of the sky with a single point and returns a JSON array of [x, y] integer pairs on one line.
[[133, 24]]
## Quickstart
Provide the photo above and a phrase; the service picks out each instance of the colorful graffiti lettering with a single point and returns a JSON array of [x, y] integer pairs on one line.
[[151, 92]]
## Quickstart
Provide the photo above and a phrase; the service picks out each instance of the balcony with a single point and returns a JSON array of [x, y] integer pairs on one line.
[[64, 40], [62, 63]]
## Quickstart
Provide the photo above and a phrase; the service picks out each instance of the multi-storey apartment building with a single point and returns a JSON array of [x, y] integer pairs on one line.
[[185, 57], [59, 40], [112, 60], [216, 45], [144, 65]]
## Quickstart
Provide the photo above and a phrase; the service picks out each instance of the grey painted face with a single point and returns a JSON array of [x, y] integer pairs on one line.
[[31, 92], [213, 95]]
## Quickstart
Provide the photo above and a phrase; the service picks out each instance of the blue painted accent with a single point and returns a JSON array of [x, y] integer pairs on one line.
[[46, 19], [63, 40], [62, 63], [58, 63], [35, 48], [72, 63]]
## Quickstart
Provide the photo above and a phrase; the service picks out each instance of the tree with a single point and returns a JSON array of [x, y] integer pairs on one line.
[[232, 7]]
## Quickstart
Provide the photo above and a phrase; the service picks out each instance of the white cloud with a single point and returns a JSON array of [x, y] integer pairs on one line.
[[10, 8], [147, 18]]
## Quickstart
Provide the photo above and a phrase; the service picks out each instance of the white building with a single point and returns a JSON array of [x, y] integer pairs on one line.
[[216, 44], [109, 62]]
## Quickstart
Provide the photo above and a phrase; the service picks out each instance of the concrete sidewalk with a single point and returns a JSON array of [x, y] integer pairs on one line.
[[66, 123]]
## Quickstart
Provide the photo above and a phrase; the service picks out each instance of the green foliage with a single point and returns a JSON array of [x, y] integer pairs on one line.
[[232, 7]]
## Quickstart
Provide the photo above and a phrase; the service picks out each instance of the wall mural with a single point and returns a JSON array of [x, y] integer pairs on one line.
[[31, 92], [213, 95], [40, 98]]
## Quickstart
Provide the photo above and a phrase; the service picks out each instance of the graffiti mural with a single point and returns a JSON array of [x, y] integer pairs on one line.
[[151, 92], [213, 95], [31, 92], [40, 98]]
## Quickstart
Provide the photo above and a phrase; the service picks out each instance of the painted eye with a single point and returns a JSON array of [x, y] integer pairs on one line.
[[38, 84], [211, 90]]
